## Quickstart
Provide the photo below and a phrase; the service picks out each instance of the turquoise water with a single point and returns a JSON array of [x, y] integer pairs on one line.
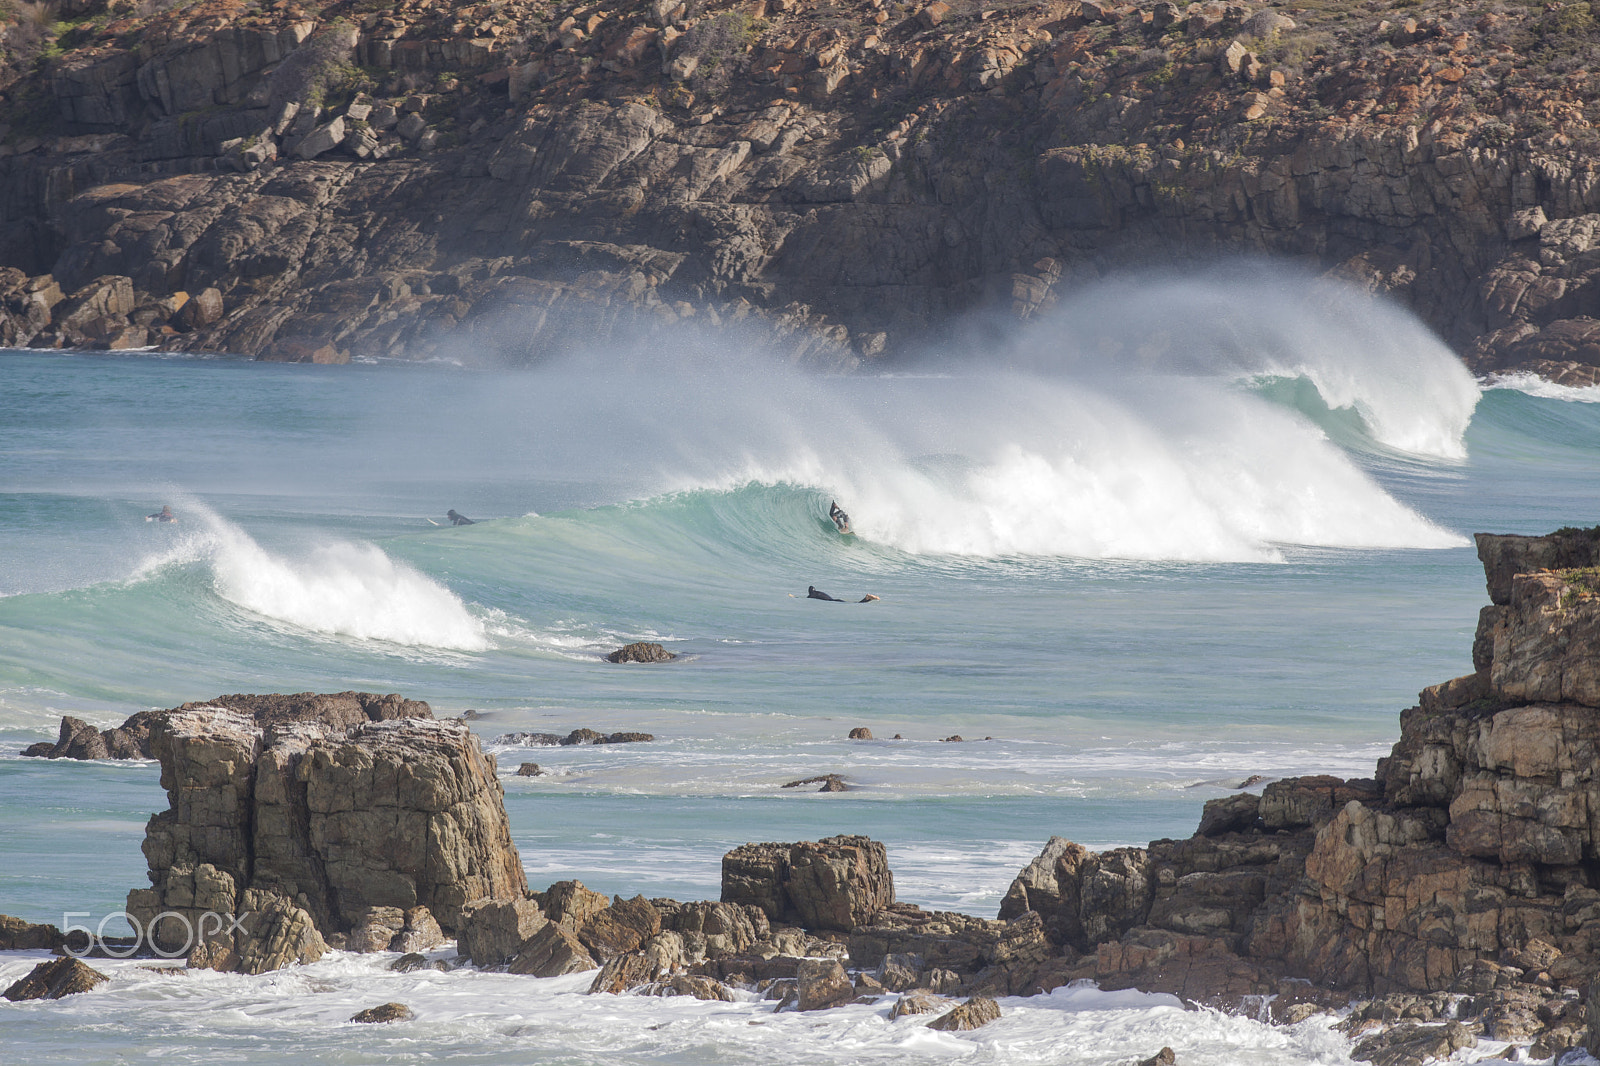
[[1143, 592]]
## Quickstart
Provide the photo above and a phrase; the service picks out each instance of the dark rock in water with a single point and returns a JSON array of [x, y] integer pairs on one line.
[[897, 736], [531, 769], [956, 739], [527, 740], [40, 750], [590, 736], [1164, 1057], [829, 782], [1251, 782], [626, 738], [860, 732], [18, 935], [388, 1012], [974, 1013], [65, 976], [641, 652]]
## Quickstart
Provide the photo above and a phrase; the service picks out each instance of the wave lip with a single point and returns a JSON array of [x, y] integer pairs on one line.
[[336, 587]]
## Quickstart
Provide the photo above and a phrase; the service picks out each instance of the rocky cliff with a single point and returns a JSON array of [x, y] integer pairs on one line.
[[311, 831], [503, 181]]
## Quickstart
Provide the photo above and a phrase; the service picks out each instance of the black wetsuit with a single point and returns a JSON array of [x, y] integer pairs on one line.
[[458, 519], [816, 594]]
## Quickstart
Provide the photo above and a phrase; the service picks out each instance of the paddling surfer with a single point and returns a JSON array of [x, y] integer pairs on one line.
[[814, 593]]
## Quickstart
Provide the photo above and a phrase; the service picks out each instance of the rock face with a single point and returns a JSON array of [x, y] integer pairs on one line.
[[131, 740], [310, 829], [296, 186], [1462, 867], [837, 883], [52, 980]]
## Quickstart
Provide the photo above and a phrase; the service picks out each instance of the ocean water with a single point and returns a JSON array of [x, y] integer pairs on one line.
[[1130, 573]]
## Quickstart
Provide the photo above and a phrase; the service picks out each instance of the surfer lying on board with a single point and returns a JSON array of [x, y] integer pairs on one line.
[[458, 519], [163, 515], [840, 519], [814, 593]]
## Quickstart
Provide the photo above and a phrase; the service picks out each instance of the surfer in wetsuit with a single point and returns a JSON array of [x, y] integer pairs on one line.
[[163, 515], [814, 593], [458, 519], [840, 519]]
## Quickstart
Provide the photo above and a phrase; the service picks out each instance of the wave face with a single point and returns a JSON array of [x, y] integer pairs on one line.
[[335, 587]]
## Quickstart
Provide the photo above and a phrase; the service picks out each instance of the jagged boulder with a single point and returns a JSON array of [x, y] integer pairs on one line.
[[332, 820], [973, 1014], [836, 883], [65, 976], [643, 651], [494, 930]]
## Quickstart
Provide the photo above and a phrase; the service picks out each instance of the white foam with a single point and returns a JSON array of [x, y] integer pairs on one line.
[[301, 1014], [1534, 385], [336, 587]]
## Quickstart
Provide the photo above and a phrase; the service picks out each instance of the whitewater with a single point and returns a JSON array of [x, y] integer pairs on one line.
[[1133, 565]]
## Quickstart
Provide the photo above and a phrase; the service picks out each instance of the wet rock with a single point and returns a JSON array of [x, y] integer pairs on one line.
[[387, 1012], [570, 904], [641, 652], [973, 1014], [413, 961], [531, 769], [860, 732]]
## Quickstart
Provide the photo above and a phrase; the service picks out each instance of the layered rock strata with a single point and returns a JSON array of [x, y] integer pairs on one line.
[[313, 184], [372, 834]]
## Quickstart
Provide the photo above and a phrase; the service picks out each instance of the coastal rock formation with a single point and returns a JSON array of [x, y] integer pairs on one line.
[[973, 1014], [317, 184], [283, 833], [131, 740], [1463, 867]]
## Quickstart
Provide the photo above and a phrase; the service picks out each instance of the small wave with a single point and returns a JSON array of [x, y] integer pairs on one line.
[[335, 587]]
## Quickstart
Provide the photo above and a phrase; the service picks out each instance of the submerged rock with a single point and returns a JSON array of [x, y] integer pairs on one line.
[[387, 1012], [641, 652], [829, 782], [65, 976]]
